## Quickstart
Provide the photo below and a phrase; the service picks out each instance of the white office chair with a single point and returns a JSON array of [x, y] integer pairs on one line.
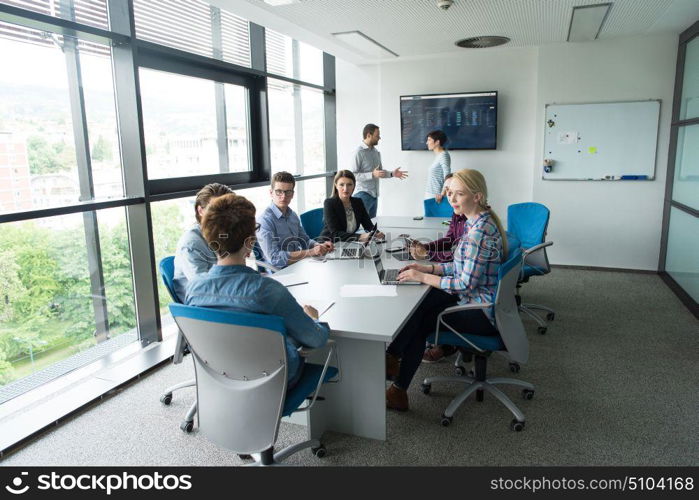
[[241, 379]]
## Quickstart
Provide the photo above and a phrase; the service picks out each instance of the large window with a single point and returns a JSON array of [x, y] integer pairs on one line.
[[48, 311], [297, 133], [180, 122], [105, 136], [38, 162]]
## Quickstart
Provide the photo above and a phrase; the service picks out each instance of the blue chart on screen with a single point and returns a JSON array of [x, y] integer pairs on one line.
[[468, 119]]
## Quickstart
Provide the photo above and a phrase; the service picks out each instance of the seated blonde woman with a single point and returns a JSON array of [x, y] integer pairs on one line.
[[471, 277]]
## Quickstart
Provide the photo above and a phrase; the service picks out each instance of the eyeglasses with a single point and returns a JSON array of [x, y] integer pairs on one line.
[[282, 192], [257, 226]]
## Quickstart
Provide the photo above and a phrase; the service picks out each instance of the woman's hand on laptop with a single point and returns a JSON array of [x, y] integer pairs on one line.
[[410, 275], [363, 237], [417, 267]]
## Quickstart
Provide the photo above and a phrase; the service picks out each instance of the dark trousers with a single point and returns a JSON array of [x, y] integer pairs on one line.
[[409, 344]]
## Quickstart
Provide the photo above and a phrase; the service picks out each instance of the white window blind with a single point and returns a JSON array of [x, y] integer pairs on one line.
[[89, 12], [187, 25]]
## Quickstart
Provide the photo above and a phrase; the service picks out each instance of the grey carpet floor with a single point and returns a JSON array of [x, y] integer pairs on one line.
[[616, 384]]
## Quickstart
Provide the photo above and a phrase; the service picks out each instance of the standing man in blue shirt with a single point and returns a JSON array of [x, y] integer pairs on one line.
[[367, 169], [193, 255], [281, 235]]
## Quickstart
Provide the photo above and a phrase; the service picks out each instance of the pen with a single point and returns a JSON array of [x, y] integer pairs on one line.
[[294, 284], [326, 309]]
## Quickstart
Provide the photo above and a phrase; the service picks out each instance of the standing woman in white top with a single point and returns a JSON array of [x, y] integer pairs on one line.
[[440, 167]]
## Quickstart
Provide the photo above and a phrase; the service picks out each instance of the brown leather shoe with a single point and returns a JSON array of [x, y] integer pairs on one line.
[[392, 367], [397, 398]]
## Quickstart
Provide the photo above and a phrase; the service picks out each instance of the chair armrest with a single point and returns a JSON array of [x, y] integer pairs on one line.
[[331, 347], [465, 307], [536, 248]]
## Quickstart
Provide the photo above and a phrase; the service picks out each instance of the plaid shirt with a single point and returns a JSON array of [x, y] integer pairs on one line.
[[474, 273]]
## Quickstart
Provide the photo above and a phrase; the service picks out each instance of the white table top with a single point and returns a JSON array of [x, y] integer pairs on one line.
[[385, 221], [369, 318]]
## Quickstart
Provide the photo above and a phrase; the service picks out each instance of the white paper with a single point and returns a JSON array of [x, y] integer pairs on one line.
[[289, 279], [567, 137], [368, 291]]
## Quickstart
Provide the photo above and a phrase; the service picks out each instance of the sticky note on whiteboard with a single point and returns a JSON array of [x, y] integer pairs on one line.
[[592, 150], [567, 137]]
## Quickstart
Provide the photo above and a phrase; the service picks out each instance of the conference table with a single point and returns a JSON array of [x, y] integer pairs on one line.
[[364, 318], [361, 327]]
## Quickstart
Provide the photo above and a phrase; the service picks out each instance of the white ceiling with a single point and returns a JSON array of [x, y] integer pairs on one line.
[[419, 28]]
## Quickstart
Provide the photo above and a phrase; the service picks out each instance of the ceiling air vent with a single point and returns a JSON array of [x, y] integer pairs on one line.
[[482, 42]]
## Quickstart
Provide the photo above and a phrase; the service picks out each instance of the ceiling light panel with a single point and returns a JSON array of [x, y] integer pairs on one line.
[[364, 44], [586, 22]]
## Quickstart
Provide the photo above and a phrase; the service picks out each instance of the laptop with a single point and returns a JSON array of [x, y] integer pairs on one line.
[[352, 249], [389, 276]]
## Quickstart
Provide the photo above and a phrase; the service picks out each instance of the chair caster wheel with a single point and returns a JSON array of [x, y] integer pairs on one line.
[[550, 317], [187, 426], [426, 388], [514, 367], [446, 421], [527, 394], [460, 371], [516, 425], [319, 452], [166, 399], [541, 330]]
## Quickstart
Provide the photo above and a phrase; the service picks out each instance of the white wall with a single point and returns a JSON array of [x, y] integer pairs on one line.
[[608, 224], [357, 103], [512, 72], [613, 224]]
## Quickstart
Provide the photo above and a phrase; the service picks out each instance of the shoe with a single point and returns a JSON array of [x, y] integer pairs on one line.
[[397, 398], [392, 367], [437, 353]]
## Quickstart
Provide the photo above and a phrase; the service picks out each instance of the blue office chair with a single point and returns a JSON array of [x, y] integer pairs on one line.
[[529, 221], [167, 273], [241, 369], [312, 222], [434, 209], [511, 340]]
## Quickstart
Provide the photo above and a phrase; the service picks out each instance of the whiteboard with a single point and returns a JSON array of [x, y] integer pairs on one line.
[[601, 141]]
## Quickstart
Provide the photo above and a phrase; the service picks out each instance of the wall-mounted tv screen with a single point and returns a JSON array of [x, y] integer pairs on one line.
[[470, 119]]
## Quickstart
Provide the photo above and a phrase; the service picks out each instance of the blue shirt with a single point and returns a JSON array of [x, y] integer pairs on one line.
[[239, 288], [192, 257], [280, 234]]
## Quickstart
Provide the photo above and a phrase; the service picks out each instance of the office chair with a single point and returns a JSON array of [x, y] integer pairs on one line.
[[434, 209], [512, 340], [241, 369], [528, 221], [167, 273], [312, 222]]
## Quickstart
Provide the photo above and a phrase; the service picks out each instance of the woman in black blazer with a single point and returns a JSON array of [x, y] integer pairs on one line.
[[343, 214]]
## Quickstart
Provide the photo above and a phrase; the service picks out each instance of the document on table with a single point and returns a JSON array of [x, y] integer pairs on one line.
[[289, 279], [368, 291]]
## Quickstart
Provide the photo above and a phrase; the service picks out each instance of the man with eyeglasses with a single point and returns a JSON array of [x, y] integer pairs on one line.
[[281, 236]]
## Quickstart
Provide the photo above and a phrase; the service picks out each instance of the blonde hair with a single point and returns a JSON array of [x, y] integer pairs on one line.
[[474, 182]]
